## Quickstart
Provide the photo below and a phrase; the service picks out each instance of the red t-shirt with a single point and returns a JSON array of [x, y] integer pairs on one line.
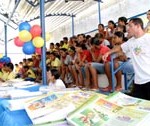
[[87, 54], [103, 50], [96, 53]]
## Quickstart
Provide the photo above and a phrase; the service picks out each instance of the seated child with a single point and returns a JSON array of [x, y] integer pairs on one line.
[[28, 74], [7, 72], [53, 79], [118, 39]]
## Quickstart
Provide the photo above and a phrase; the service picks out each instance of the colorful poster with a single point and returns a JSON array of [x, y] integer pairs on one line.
[[38, 106], [101, 112], [54, 107], [130, 102]]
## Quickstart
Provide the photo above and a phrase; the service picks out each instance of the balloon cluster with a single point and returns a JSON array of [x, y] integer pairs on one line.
[[30, 39]]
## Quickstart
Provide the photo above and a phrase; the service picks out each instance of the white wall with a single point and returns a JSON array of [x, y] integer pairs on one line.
[[14, 52]]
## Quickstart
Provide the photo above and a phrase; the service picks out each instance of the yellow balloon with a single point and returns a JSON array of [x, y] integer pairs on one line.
[[1, 55], [38, 42], [25, 36], [48, 36]]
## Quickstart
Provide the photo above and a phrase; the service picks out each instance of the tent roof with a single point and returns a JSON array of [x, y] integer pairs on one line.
[[12, 12]]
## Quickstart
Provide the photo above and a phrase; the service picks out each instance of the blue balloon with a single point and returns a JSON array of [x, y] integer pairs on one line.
[[24, 26], [28, 48], [1, 60], [7, 60]]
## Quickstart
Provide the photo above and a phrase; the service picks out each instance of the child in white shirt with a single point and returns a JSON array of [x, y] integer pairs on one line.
[[53, 79]]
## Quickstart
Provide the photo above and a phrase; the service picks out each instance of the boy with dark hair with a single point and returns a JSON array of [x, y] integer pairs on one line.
[[122, 21], [28, 74], [54, 82], [8, 73]]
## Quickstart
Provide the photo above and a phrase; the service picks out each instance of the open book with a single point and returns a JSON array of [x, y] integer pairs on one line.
[[101, 112], [55, 107], [129, 101]]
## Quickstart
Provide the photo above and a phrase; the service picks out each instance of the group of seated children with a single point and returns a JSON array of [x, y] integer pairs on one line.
[[78, 60]]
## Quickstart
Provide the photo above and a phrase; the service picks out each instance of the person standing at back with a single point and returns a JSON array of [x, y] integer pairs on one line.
[[147, 28], [101, 29], [138, 47], [122, 21]]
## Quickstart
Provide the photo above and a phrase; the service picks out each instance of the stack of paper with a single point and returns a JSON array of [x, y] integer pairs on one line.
[[4, 94], [23, 83], [46, 89], [14, 105], [6, 84], [17, 94], [5, 88]]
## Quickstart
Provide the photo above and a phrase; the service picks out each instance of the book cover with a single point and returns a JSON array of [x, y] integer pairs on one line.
[[129, 101], [55, 107], [101, 112], [39, 105]]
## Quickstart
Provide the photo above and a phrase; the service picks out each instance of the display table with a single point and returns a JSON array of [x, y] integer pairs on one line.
[[15, 118]]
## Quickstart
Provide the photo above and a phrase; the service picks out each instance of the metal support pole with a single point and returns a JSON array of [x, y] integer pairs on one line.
[[113, 73], [42, 20], [5, 28], [72, 25], [99, 11]]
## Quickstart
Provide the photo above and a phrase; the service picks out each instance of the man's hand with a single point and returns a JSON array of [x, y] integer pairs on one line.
[[104, 57]]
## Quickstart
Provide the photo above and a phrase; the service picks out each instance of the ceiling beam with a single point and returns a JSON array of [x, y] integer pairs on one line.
[[57, 14]]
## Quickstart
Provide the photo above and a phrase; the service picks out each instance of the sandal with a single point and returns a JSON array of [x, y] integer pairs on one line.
[[80, 87], [95, 90], [106, 89], [119, 89]]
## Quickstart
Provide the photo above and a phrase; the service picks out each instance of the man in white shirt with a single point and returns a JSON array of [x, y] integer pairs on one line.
[[138, 47]]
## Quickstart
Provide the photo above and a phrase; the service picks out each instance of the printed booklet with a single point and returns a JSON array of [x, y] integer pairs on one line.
[[54, 106], [129, 101], [101, 112]]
